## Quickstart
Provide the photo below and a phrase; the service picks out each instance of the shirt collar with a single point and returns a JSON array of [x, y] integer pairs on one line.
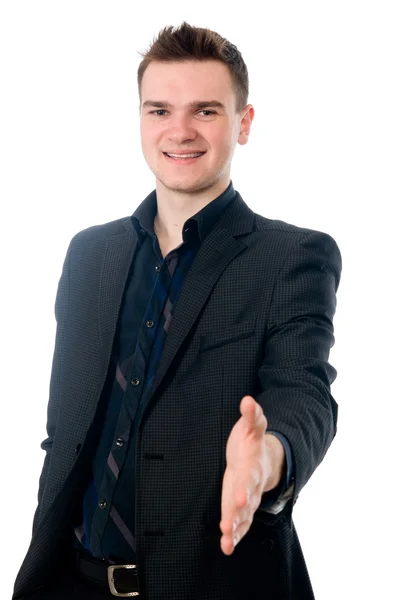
[[201, 223]]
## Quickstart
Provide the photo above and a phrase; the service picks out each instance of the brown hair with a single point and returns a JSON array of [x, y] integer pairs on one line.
[[198, 43]]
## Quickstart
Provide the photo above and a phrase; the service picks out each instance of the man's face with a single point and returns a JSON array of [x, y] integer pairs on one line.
[[171, 124]]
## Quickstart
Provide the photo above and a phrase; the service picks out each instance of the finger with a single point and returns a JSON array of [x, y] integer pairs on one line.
[[228, 504], [246, 483], [230, 517], [242, 530], [241, 501], [235, 509], [228, 543], [253, 413]]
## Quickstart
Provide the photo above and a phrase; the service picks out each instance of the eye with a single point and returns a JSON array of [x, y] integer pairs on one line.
[[161, 110]]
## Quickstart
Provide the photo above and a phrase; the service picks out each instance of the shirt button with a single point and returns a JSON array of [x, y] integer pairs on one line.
[[135, 381], [119, 441], [157, 268], [102, 504], [149, 324]]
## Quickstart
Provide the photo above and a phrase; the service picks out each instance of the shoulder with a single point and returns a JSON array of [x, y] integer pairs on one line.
[[101, 232], [287, 230], [291, 240]]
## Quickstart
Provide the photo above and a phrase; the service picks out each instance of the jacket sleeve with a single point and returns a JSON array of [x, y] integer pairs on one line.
[[295, 375], [275, 500], [60, 311]]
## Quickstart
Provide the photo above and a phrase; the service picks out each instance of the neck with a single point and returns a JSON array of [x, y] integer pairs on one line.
[[175, 207]]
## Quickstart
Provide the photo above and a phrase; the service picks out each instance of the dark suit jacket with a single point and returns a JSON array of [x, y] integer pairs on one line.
[[255, 316]]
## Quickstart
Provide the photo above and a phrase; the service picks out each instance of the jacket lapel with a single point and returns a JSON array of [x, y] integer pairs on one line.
[[218, 249]]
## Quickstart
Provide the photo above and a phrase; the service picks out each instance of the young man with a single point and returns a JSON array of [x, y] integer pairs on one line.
[[190, 389]]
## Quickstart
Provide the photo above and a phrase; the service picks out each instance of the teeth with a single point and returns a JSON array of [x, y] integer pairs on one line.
[[184, 155]]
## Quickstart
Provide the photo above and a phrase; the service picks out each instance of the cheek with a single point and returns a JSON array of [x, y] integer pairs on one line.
[[149, 136], [150, 148], [222, 145]]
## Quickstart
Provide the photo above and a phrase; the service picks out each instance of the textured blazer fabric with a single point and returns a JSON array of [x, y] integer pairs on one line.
[[255, 316]]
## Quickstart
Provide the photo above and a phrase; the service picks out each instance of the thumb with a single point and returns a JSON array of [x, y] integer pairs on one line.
[[252, 412]]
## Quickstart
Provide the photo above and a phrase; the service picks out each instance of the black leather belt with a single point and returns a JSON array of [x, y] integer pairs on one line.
[[121, 580]]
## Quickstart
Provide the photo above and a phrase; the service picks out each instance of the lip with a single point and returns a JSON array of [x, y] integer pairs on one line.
[[183, 151], [182, 161]]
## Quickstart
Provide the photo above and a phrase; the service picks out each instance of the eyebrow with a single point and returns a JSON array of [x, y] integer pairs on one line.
[[192, 105]]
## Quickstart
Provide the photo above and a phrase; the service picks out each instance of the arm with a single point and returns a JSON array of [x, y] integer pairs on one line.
[[54, 392], [295, 375]]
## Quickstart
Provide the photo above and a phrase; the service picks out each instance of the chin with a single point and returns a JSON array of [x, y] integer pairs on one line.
[[186, 184]]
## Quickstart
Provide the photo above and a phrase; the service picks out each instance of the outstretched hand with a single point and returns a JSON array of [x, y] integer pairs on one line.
[[254, 465]]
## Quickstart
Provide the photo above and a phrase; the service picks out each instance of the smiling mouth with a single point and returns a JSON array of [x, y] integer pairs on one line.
[[184, 159]]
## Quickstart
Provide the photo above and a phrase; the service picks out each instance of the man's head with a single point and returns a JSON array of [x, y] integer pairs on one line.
[[181, 69]]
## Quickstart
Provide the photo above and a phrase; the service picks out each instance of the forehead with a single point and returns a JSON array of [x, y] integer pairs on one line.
[[183, 81]]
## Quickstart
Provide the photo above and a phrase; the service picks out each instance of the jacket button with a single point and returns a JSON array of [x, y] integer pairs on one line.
[[267, 545], [119, 441]]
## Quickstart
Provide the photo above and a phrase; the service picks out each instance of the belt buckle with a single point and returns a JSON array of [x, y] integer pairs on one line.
[[110, 578]]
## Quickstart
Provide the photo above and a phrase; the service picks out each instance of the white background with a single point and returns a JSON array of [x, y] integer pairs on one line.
[[324, 153]]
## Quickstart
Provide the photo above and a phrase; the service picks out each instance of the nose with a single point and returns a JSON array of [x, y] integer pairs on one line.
[[181, 129]]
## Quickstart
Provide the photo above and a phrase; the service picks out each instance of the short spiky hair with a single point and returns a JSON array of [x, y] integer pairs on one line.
[[197, 43]]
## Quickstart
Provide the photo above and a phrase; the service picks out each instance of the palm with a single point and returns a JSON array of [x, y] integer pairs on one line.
[[243, 444], [243, 457]]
